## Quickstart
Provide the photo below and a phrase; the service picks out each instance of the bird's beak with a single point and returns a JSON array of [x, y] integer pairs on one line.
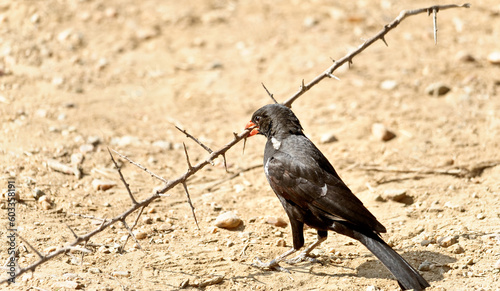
[[254, 131]]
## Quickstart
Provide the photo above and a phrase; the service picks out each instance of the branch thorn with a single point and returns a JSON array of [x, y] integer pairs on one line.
[[269, 93], [190, 203]]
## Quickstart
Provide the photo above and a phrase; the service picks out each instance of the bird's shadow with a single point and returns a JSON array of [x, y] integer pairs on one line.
[[373, 268]]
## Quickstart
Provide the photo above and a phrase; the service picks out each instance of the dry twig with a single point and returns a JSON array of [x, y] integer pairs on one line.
[[380, 35]]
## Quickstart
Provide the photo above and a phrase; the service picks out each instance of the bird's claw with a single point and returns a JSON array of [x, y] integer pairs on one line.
[[272, 265], [301, 258]]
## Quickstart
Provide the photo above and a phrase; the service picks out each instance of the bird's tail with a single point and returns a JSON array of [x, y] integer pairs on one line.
[[407, 276]]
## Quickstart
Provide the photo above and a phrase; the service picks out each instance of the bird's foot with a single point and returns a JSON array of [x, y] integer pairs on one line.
[[272, 265], [302, 257]]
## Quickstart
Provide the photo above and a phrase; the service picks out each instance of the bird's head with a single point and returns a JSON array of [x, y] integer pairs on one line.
[[274, 120]]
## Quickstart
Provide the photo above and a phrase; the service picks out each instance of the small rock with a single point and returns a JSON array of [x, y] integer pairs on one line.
[[457, 249], [121, 274], [494, 58], [151, 210], [380, 132], [373, 288], [140, 234], [57, 81], [276, 221], [86, 148], [328, 137], [103, 185], [104, 250], [229, 244], [76, 159], [147, 220], [437, 89], [425, 242], [310, 21], [280, 242], [465, 57], [94, 140], [425, 266], [125, 141], [398, 195], [480, 216], [447, 241], [164, 145], [227, 220], [37, 193], [46, 205], [454, 206], [497, 265], [388, 85], [50, 249], [94, 270]]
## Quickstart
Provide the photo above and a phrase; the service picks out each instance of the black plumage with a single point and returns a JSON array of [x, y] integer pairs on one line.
[[312, 193]]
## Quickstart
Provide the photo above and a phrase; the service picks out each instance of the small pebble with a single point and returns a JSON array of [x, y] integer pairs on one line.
[[397, 195], [465, 57], [380, 132], [50, 249], [227, 220], [494, 58], [373, 288], [447, 241], [121, 274], [94, 270], [37, 193], [46, 205], [497, 265], [104, 250], [388, 85], [425, 266], [437, 89], [94, 140], [103, 185], [328, 137], [76, 159], [280, 243], [480, 216], [164, 145], [425, 242], [457, 249], [276, 221], [140, 234], [86, 148], [147, 220]]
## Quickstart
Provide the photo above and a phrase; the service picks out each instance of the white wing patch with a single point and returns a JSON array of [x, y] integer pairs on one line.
[[276, 143], [324, 189], [266, 168]]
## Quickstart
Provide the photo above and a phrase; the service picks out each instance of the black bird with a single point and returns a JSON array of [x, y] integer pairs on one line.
[[312, 193]]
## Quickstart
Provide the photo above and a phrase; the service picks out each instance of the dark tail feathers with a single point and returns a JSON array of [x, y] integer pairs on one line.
[[407, 276]]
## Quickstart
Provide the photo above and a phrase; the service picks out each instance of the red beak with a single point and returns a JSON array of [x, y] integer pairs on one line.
[[254, 131]]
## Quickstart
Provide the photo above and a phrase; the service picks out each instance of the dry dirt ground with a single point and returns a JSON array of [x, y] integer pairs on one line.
[[81, 76]]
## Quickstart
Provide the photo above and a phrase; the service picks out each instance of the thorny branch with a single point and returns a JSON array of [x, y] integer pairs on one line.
[[380, 35], [169, 184]]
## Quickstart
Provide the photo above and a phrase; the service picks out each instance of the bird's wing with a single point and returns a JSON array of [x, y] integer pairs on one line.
[[308, 180]]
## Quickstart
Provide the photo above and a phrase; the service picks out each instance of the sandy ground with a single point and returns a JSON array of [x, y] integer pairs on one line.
[[77, 77]]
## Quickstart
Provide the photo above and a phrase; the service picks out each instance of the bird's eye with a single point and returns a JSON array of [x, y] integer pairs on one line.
[[257, 119]]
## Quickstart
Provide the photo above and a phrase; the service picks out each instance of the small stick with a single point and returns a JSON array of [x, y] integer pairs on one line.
[[122, 178]]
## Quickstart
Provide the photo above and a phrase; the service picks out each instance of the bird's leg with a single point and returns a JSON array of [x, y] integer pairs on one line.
[[274, 264], [304, 255]]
